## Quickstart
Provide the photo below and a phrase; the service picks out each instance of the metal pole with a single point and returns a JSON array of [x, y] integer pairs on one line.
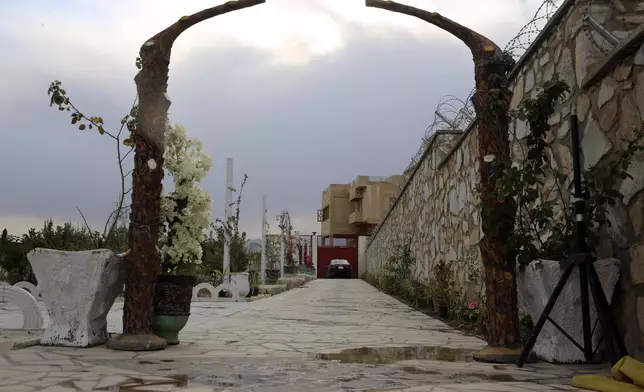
[[581, 236], [578, 196], [262, 268], [310, 259], [283, 256], [228, 211], [314, 251]]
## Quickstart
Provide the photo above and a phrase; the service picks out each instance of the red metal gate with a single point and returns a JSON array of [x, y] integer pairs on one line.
[[345, 247]]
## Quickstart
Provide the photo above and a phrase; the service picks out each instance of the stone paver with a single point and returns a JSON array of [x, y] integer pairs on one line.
[[274, 344]]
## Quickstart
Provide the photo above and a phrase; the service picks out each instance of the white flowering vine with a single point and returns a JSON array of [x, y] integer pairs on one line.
[[186, 211]]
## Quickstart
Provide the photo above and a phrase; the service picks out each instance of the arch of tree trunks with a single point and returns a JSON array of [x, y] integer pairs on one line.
[[143, 261]]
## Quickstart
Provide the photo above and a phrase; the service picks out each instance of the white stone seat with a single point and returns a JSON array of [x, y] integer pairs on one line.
[[214, 293], [33, 290], [240, 281], [32, 319], [203, 286]]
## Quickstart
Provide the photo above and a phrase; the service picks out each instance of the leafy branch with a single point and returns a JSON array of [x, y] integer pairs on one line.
[[286, 227], [229, 231], [231, 228], [58, 96], [539, 232]]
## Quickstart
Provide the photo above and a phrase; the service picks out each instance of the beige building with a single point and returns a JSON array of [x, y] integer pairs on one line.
[[355, 209]]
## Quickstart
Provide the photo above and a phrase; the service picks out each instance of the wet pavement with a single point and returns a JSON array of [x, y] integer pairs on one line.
[[331, 335]]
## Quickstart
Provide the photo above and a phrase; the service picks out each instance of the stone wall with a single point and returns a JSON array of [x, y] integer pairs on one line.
[[438, 210], [438, 206]]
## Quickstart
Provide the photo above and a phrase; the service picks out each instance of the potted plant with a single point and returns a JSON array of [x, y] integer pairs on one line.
[[272, 275], [442, 300], [429, 293], [251, 279], [442, 288], [254, 284], [239, 280], [223, 276], [425, 300], [472, 312], [186, 214]]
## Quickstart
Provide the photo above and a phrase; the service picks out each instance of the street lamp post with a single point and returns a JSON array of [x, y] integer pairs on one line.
[[262, 265]]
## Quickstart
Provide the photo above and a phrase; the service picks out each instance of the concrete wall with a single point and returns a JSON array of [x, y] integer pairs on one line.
[[438, 206], [336, 199], [362, 262], [375, 201], [438, 210]]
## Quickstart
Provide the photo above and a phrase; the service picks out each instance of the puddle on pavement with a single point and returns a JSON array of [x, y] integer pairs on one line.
[[137, 384], [485, 377], [387, 355], [497, 377], [416, 370]]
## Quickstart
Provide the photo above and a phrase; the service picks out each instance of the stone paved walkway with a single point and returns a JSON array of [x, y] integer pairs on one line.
[[290, 342]]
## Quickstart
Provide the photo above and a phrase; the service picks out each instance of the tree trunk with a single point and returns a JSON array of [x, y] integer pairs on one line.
[[491, 103], [497, 218], [144, 260]]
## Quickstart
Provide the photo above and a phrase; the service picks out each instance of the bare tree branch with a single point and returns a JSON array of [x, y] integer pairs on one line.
[[475, 41], [170, 34]]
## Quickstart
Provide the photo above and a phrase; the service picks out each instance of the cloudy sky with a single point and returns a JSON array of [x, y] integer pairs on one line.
[[300, 93]]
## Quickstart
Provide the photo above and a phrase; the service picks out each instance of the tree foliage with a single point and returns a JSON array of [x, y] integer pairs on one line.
[[290, 242], [545, 220], [14, 249]]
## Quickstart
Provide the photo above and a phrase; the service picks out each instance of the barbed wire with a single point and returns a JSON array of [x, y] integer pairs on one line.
[[527, 34], [605, 25], [455, 115]]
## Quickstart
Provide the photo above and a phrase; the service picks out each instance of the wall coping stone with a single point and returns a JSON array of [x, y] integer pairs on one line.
[[625, 48]]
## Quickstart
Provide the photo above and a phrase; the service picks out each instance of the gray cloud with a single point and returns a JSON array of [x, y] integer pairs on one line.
[[294, 130]]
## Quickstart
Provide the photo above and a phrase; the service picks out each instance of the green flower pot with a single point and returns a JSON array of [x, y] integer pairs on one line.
[[168, 327], [172, 297]]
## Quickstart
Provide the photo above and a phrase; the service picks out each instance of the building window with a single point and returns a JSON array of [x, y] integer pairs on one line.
[[339, 242]]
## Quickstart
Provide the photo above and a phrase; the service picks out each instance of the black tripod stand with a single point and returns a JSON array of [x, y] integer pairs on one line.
[[587, 278]]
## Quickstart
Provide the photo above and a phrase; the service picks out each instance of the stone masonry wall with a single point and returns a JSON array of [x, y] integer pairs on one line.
[[438, 208]]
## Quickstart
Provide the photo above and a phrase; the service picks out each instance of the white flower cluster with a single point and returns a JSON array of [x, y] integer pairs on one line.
[[188, 165]]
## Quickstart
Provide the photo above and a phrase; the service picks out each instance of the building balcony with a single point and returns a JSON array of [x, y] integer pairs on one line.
[[356, 193], [356, 217], [357, 187]]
